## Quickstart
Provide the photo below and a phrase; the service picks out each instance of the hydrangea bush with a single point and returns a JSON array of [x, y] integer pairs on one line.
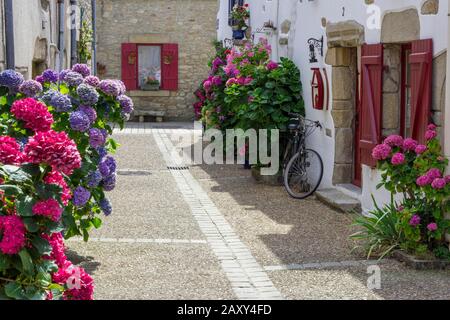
[[86, 109], [417, 172], [33, 196], [245, 89]]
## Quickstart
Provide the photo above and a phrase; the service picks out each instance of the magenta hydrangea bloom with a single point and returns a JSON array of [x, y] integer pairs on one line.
[[409, 144], [10, 152], [420, 149], [432, 127], [432, 227], [85, 284], [35, 114], [415, 221], [381, 152], [434, 173], [398, 159], [217, 81], [272, 65], [56, 241], [54, 177], [13, 234], [447, 179], [394, 141], [231, 70], [423, 181], [439, 183], [231, 81], [430, 135], [48, 208], [207, 85], [54, 148]]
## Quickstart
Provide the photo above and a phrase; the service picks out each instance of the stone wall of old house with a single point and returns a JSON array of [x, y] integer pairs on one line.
[[191, 24]]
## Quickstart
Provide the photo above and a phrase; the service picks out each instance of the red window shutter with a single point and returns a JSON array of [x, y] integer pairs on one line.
[[370, 102], [169, 68], [421, 61], [129, 65]]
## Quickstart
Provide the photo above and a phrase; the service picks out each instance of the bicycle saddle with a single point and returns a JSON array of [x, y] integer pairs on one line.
[[294, 124]]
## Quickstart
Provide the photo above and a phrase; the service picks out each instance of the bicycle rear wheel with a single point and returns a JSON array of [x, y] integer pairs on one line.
[[303, 174]]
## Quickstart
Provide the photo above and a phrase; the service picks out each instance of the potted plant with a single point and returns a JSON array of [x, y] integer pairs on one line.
[[239, 16], [150, 83]]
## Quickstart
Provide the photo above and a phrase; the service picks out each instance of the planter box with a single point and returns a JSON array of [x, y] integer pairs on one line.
[[420, 263], [276, 180], [150, 87]]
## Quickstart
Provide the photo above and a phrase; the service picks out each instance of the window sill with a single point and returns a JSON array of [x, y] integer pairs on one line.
[[142, 93]]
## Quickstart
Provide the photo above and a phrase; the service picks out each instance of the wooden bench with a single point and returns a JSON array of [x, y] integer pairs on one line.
[[159, 115]]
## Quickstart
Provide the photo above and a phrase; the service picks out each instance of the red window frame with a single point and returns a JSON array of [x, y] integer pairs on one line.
[[404, 85]]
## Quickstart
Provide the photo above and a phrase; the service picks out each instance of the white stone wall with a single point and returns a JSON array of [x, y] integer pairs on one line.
[[306, 17]]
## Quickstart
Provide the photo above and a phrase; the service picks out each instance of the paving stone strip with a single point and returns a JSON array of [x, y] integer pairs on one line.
[[325, 265], [247, 278]]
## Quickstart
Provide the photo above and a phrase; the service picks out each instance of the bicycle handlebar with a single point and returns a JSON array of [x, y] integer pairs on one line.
[[296, 115]]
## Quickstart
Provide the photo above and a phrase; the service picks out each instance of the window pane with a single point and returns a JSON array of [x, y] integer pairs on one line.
[[149, 63], [407, 97]]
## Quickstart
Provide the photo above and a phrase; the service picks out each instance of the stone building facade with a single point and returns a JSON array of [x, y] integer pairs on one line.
[[189, 24]]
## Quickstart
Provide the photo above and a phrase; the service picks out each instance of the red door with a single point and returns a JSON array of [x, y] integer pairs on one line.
[[357, 174], [369, 109]]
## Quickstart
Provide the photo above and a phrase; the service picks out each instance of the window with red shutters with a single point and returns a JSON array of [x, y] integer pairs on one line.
[[129, 65], [370, 109], [421, 66], [169, 70]]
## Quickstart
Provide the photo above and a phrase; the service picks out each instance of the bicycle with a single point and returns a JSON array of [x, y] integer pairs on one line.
[[302, 167]]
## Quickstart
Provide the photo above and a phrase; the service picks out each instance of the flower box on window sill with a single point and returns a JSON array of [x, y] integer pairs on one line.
[[150, 87]]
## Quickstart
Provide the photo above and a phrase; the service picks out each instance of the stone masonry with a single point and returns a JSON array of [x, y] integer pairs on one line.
[[191, 24]]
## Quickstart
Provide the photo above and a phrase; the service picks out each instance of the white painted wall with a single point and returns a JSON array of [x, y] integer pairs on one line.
[[306, 18]]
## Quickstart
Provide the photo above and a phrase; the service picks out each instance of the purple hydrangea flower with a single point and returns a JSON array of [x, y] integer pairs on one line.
[[30, 88], [11, 79], [61, 102], [79, 121], [89, 111], [81, 196], [97, 137], [94, 178], [82, 69], [40, 79], [73, 79], [126, 103], [63, 73], [432, 227], [110, 87], [398, 159], [88, 95], [106, 207], [439, 183], [92, 81], [50, 76], [102, 152], [109, 183], [107, 166]]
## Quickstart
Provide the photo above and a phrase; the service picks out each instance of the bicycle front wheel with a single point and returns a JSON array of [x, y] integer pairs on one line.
[[303, 174]]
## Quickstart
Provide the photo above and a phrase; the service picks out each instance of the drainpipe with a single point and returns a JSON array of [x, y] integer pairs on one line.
[[94, 36], [447, 108], [73, 32], [61, 42], [9, 35], [277, 33]]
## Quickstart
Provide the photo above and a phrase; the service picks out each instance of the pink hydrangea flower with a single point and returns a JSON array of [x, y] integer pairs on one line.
[[207, 85], [13, 234], [55, 149], [432, 227], [432, 127], [272, 65], [434, 173], [58, 255], [438, 183], [409, 144], [394, 141], [57, 178], [80, 284], [381, 152], [48, 208], [423, 181], [420, 149], [415, 221], [35, 114], [10, 152], [231, 70], [430, 135], [398, 159], [447, 179], [231, 81]]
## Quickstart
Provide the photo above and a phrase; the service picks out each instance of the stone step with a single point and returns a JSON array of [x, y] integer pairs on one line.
[[339, 200]]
